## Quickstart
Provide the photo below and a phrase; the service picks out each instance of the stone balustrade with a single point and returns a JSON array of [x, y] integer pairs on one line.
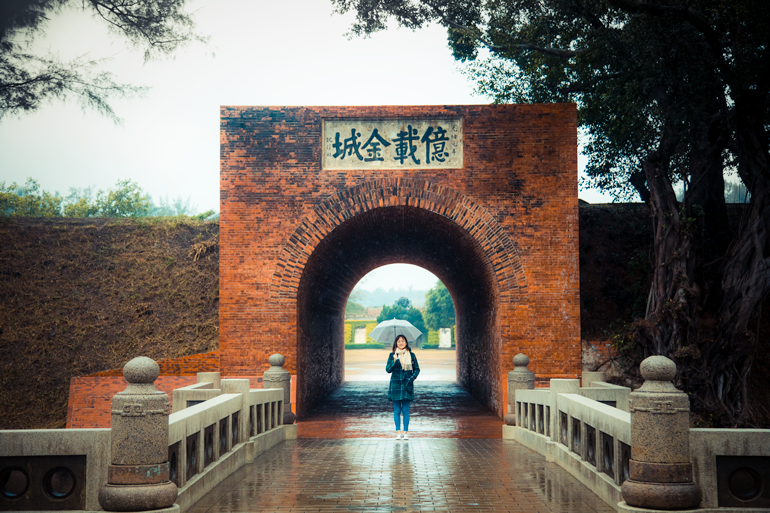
[[605, 435], [212, 432], [588, 431], [212, 438], [52, 469]]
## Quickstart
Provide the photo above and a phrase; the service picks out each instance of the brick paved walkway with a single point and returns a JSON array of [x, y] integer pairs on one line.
[[386, 476], [360, 409]]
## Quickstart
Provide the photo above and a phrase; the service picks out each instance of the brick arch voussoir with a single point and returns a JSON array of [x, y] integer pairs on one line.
[[346, 204]]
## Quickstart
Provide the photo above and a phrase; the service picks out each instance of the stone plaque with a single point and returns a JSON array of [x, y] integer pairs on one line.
[[445, 338], [406, 143], [360, 337]]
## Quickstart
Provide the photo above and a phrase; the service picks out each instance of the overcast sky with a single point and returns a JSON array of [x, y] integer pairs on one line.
[[397, 276], [287, 52]]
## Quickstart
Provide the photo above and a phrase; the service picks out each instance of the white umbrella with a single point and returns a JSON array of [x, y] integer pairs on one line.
[[387, 331]]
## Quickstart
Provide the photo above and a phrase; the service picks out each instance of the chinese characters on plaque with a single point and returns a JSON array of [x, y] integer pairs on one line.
[[392, 144]]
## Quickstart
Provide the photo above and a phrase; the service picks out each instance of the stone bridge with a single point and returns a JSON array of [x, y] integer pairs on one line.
[[225, 447]]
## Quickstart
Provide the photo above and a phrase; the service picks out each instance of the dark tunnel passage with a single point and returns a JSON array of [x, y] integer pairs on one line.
[[387, 235]]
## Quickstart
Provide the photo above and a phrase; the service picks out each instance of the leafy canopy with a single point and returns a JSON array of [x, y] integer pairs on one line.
[[397, 311], [439, 308], [127, 199], [28, 200], [29, 79]]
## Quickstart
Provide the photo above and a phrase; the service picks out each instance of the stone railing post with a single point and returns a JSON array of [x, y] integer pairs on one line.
[[210, 377], [138, 474], [520, 378], [589, 378], [660, 471], [277, 377], [239, 386]]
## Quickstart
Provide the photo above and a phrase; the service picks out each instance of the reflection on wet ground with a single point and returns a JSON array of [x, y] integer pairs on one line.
[[381, 476], [360, 409]]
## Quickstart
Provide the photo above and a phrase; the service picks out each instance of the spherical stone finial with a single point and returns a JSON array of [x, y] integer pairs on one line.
[[520, 360], [141, 370], [658, 368], [277, 360]]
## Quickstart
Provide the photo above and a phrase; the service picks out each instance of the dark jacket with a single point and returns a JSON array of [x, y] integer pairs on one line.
[[401, 382]]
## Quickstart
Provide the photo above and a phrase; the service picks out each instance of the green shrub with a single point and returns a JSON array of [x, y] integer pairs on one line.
[[364, 346], [28, 200]]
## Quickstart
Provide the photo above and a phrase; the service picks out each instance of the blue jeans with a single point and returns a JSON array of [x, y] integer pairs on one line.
[[399, 408]]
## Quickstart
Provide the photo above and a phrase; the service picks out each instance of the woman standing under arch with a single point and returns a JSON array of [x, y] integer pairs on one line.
[[403, 369]]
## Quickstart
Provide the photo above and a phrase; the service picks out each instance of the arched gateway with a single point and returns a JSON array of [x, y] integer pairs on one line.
[[313, 198]]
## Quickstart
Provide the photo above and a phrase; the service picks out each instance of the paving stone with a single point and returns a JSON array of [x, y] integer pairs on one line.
[[375, 475]]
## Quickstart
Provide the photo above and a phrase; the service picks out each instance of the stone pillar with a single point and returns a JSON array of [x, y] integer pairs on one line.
[[137, 477], [277, 377], [239, 386], [210, 377], [660, 471], [592, 377], [520, 378], [445, 338]]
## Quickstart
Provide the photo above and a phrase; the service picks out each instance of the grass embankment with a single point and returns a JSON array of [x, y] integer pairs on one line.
[[84, 295]]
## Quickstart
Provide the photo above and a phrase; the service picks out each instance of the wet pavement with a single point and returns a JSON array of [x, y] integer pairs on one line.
[[360, 409], [386, 476], [369, 364], [347, 460]]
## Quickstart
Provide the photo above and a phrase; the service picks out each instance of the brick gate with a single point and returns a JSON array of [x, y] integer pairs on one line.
[[484, 197]]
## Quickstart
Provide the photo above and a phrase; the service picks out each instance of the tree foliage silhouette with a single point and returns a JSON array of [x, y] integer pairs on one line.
[[28, 79], [439, 308]]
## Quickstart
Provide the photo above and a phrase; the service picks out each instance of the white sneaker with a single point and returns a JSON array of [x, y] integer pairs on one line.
[[398, 436], [406, 437]]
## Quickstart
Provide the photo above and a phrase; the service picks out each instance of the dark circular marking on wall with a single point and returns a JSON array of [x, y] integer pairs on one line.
[[14, 482], [745, 484], [59, 483]]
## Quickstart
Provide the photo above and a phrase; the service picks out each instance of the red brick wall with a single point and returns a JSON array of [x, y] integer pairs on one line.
[[501, 233], [90, 397]]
